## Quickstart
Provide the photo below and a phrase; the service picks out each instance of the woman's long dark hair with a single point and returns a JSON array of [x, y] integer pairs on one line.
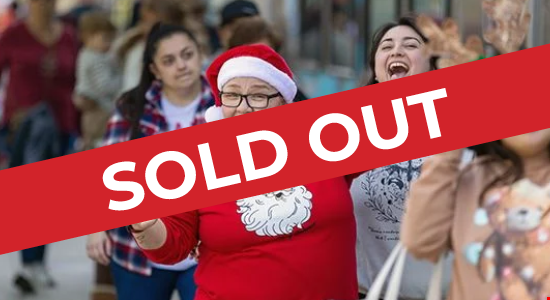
[[408, 21], [132, 103], [495, 151]]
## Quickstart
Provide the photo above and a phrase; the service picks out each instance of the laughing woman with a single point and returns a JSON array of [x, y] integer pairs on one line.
[[379, 195], [298, 243]]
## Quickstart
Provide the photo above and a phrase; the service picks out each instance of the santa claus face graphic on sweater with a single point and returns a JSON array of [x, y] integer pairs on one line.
[[276, 213]]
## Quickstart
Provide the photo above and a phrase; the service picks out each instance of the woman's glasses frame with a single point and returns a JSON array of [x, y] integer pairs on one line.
[[245, 97]]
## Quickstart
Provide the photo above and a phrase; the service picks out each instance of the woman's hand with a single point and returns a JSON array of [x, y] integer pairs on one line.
[[510, 20], [99, 247], [446, 43], [149, 234]]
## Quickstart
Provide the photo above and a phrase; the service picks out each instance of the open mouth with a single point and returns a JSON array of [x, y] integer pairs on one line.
[[398, 70]]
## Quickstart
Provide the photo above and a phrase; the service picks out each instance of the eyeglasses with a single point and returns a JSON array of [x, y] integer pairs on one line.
[[254, 100]]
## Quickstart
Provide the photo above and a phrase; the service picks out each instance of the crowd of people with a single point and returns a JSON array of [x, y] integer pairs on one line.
[[79, 88]]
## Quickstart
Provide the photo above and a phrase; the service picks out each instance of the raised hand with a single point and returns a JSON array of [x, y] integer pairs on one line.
[[446, 43], [509, 21]]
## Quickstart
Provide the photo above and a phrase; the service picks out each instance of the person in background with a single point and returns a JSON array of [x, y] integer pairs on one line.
[[98, 78], [82, 7], [40, 53], [196, 22], [255, 30], [231, 13], [172, 94], [130, 46], [493, 214], [379, 195]]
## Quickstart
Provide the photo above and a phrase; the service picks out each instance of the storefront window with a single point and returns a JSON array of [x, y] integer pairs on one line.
[[380, 13], [435, 8], [310, 29], [329, 32], [344, 33]]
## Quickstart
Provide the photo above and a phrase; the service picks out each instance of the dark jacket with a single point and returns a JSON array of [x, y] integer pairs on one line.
[[37, 138]]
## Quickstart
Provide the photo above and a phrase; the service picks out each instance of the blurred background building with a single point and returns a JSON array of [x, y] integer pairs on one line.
[[327, 41]]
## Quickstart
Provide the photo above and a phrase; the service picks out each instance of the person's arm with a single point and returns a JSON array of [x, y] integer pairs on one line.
[[168, 240], [118, 129], [428, 218]]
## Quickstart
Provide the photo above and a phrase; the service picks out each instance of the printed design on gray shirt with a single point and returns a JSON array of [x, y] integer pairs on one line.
[[386, 189]]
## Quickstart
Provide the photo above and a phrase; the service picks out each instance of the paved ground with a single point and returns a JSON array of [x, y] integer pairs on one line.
[[69, 265]]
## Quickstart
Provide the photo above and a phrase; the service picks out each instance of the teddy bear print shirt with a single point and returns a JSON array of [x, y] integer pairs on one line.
[[293, 244], [500, 238]]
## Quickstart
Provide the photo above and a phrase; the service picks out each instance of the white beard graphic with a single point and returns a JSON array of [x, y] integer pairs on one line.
[[276, 213]]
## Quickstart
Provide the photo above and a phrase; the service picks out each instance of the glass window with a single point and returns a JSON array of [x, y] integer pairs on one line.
[[310, 29], [344, 34], [380, 13], [435, 8]]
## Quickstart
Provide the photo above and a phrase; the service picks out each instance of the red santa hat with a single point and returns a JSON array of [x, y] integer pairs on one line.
[[257, 61]]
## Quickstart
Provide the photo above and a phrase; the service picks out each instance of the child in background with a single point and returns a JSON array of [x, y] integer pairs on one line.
[[98, 80]]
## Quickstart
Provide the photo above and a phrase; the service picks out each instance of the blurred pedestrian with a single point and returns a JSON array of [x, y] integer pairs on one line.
[[40, 53], [255, 30], [130, 46], [98, 77], [231, 13]]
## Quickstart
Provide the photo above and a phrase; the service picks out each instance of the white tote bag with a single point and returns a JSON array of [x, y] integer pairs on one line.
[[397, 261]]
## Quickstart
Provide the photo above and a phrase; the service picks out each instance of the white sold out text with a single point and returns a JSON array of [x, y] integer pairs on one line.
[[250, 171]]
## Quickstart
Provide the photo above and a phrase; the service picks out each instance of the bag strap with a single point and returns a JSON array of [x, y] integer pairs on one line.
[[397, 260], [376, 289], [394, 285], [436, 282]]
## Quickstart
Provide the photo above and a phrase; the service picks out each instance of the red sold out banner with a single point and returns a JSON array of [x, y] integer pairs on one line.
[[274, 149]]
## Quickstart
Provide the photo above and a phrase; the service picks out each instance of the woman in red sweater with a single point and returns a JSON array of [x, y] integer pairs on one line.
[[40, 54], [293, 244]]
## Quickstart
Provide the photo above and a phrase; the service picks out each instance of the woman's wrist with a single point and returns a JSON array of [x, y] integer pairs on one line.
[[150, 237], [132, 229]]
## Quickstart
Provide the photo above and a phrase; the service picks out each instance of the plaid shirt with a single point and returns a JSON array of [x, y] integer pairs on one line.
[[126, 252]]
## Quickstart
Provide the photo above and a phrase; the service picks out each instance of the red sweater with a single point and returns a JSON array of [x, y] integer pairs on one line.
[[30, 82], [297, 244]]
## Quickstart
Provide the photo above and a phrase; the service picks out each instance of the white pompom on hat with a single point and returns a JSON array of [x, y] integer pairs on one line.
[[257, 61]]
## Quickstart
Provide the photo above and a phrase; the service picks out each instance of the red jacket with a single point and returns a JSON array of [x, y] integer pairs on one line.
[[34, 77], [296, 244]]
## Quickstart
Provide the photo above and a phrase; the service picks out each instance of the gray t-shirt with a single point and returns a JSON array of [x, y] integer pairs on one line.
[[379, 203]]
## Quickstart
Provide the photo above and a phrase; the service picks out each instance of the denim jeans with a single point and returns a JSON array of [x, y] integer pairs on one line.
[[33, 255], [159, 286]]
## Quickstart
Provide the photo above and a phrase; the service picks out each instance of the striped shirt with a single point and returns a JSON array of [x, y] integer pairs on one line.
[[98, 78]]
